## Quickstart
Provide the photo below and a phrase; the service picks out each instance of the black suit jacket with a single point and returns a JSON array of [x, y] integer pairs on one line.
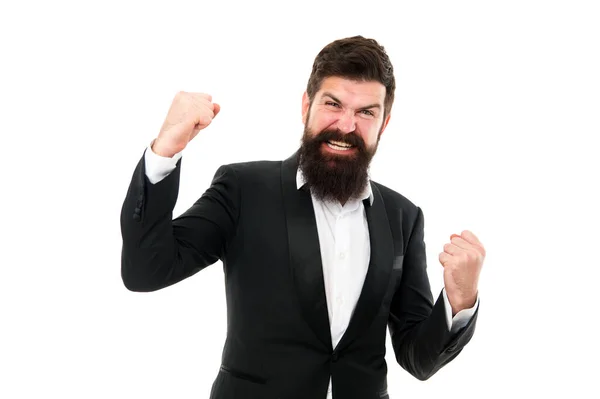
[[278, 345]]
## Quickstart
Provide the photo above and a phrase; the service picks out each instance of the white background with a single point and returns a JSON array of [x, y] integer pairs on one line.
[[494, 129]]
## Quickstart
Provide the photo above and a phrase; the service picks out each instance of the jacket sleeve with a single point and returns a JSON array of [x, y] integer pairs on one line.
[[420, 336], [159, 251]]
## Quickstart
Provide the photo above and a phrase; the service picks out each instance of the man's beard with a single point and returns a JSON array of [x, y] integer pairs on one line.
[[335, 177]]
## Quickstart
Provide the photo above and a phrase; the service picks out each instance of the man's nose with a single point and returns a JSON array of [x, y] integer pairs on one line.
[[347, 122]]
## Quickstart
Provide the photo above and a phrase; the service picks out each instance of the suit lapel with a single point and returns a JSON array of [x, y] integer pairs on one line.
[[305, 252], [378, 274], [306, 264]]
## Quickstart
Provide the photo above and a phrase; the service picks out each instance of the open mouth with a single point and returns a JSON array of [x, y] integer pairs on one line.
[[339, 145]]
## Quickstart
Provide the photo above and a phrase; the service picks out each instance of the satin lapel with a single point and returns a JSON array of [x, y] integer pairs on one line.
[[305, 252], [378, 274]]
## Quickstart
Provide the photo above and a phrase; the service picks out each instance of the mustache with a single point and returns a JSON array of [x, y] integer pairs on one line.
[[335, 135]]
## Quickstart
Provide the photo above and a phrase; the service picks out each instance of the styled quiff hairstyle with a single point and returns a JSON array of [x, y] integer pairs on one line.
[[355, 58]]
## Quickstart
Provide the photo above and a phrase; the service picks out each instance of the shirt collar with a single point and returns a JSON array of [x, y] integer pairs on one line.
[[367, 194]]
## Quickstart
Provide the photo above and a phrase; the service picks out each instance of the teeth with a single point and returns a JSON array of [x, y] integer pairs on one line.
[[338, 147], [339, 144]]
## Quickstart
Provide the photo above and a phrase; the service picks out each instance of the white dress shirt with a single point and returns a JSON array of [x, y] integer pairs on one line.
[[345, 251]]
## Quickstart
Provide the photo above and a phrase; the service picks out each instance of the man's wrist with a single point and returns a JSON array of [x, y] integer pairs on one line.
[[160, 150], [462, 304]]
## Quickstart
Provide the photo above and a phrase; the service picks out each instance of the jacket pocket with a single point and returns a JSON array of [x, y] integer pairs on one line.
[[235, 384], [242, 375]]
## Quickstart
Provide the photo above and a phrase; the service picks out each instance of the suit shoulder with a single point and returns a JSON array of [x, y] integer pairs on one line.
[[249, 168], [252, 172], [395, 199]]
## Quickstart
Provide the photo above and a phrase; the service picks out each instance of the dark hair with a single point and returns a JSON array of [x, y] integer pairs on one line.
[[355, 58]]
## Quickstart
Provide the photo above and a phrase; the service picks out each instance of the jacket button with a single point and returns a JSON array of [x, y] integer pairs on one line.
[[334, 357]]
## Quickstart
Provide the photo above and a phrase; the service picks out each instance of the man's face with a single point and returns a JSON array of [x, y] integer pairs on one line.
[[342, 127], [349, 107]]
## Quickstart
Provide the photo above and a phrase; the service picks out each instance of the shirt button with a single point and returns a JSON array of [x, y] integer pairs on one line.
[[339, 300], [342, 255]]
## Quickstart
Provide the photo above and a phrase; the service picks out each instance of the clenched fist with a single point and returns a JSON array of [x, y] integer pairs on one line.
[[189, 113], [462, 260]]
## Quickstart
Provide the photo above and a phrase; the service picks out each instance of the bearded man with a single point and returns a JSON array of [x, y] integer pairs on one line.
[[318, 258]]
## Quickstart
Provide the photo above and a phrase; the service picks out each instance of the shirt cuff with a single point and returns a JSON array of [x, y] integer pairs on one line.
[[158, 167], [462, 318]]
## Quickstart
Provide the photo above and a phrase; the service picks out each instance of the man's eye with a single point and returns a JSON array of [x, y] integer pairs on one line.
[[331, 103], [367, 112]]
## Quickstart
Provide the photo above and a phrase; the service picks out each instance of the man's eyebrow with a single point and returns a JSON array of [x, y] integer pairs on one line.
[[327, 94]]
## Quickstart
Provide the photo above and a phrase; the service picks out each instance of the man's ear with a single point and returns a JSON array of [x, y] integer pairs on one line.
[[385, 123], [305, 107]]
